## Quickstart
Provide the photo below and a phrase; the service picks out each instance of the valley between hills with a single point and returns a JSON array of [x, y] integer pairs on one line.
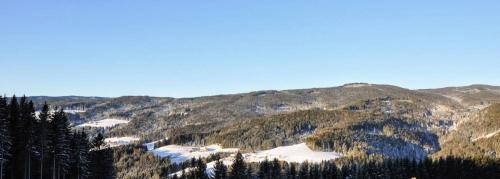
[[352, 121]]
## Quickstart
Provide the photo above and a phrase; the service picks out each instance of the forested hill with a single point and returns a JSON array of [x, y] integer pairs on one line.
[[425, 117], [152, 113]]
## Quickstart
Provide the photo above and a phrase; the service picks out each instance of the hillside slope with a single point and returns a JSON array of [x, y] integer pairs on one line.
[[475, 137], [354, 118]]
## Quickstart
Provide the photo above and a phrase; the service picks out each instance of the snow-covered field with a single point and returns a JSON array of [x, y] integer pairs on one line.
[[117, 141], [179, 154], [293, 153], [105, 123]]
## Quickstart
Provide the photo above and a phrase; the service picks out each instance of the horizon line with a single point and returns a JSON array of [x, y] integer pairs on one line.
[[245, 92]]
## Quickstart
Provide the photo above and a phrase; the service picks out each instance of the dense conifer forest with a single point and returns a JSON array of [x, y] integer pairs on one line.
[[44, 145]]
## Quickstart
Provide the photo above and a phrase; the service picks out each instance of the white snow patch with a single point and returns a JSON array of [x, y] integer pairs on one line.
[[486, 136], [118, 141], [209, 170], [211, 166], [470, 91], [74, 111], [293, 153], [454, 98], [105, 123], [356, 85], [52, 111], [151, 145], [179, 154], [179, 173]]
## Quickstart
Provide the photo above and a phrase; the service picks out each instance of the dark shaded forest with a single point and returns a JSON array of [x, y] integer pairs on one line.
[[44, 145]]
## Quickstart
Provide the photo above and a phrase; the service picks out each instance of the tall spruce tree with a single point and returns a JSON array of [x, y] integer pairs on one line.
[[28, 132], [201, 167], [42, 131], [238, 168], [5, 140], [220, 170], [314, 171], [101, 159], [304, 170], [293, 171], [59, 144], [249, 172], [264, 169], [83, 168], [15, 160], [275, 168], [97, 142], [79, 155]]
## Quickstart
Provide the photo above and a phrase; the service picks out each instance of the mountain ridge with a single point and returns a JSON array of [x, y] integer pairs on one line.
[[263, 90]]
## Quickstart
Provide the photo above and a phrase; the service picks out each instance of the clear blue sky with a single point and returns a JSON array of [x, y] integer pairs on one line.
[[194, 48]]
